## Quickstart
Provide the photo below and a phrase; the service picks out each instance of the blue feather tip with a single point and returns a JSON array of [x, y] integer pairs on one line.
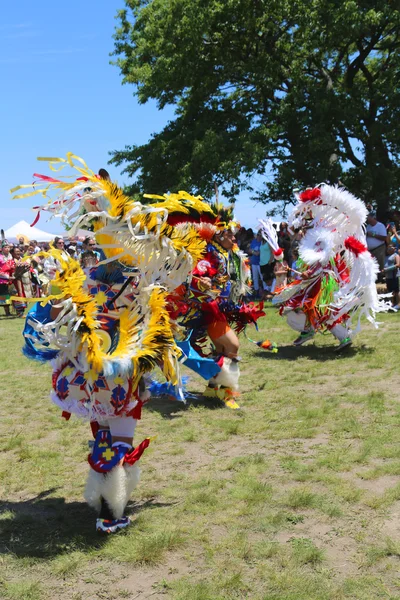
[[156, 388], [42, 356]]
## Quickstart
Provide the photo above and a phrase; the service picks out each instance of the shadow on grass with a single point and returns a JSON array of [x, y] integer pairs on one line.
[[313, 352], [134, 508], [173, 409], [45, 527]]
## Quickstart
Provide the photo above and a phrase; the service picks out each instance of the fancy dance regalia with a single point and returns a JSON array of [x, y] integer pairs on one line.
[[108, 325], [212, 307], [336, 273]]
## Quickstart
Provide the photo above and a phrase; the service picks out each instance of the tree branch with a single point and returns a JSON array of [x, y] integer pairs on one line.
[[348, 149], [356, 64]]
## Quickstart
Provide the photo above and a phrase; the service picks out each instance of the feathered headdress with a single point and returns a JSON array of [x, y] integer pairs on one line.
[[332, 207], [126, 230], [270, 235], [221, 220]]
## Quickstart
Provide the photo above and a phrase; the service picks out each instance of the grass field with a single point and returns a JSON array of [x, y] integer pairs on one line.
[[296, 498]]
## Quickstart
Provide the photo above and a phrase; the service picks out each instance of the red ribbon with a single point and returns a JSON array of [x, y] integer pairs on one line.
[[46, 178], [136, 453], [36, 219]]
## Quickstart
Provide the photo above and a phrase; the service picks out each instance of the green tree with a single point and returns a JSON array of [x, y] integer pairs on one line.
[[289, 93]]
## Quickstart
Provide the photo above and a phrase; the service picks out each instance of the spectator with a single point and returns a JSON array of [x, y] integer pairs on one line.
[[393, 238], [392, 266], [247, 239], [89, 245], [22, 280], [284, 240], [6, 269], [254, 252], [281, 273], [298, 235], [59, 243], [240, 236], [36, 270], [294, 266], [36, 247], [267, 267], [50, 264], [376, 239], [296, 238], [71, 249], [5, 254], [78, 249], [88, 260]]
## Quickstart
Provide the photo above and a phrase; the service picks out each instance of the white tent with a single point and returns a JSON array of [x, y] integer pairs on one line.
[[23, 229]]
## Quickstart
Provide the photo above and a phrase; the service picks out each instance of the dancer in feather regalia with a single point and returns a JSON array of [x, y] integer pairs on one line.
[[211, 306], [336, 273], [109, 326]]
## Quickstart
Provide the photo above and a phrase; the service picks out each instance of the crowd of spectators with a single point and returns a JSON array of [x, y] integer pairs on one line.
[[25, 274], [26, 271], [383, 242], [267, 274]]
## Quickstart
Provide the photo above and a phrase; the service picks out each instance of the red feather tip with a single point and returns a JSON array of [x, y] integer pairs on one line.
[[46, 178], [354, 245], [36, 219], [308, 195]]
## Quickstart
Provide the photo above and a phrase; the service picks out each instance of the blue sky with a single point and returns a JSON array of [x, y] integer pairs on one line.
[[61, 94]]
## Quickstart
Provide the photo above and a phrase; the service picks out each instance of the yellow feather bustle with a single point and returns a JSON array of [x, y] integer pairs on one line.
[[146, 345]]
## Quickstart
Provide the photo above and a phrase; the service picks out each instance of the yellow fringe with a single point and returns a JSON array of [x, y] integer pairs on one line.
[[152, 352]]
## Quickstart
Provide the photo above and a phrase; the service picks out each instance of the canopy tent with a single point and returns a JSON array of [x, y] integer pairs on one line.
[[81, 234], [23, 229]]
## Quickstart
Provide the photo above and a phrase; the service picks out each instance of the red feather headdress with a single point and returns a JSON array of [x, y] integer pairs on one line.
[[308, 195]]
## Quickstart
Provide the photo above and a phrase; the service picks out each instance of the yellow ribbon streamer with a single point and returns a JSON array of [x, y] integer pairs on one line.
[[26, 299]]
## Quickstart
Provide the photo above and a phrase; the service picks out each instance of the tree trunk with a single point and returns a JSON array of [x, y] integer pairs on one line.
[[380, 168]]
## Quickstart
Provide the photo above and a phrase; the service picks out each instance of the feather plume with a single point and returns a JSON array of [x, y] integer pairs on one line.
[[269, 233]]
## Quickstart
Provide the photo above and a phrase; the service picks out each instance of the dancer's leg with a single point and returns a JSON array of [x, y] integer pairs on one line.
[[298, 322], [122, 430], [226, 343], [110, 481], [342, 334]]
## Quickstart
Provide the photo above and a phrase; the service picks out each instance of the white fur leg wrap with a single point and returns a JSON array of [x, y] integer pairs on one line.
[[132, 478], [115, 487], [92, 493], [229, 374]]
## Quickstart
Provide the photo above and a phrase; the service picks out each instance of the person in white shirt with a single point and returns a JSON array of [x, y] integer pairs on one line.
[[36, 247], [376, 239]]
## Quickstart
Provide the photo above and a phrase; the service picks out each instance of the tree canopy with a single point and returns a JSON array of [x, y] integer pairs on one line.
[[269, 95]]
